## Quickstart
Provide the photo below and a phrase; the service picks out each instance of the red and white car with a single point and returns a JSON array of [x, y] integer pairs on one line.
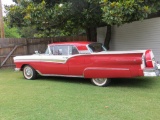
[[87, 60]]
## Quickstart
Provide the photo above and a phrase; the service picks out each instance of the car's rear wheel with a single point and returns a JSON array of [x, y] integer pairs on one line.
[[101, 82], [29, 73]]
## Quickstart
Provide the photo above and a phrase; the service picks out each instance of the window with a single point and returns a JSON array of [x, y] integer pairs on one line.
[[63, 50], [96, 47], [74, 50], [60, 50]]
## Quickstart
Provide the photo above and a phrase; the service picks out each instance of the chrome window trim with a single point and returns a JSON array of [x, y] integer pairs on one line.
[[68, 46]]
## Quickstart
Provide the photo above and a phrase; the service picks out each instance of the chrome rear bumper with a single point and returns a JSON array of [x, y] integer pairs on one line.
[[151, 72]]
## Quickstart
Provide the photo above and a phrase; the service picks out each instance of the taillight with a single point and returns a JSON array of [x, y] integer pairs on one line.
[[149, 57]]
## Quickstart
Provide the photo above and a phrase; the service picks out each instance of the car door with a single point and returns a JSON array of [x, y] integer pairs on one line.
[[76, 63], [55, 63]]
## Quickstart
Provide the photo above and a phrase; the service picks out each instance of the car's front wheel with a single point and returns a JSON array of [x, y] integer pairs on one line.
[[29, 73], [101, 82]]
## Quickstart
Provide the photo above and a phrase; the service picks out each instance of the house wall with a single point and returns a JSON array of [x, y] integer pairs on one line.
[[138, 35]]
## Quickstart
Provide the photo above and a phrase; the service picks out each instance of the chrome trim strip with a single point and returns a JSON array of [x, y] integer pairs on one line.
[[41, 60], [100, 68], [59, 75], [143, 62]]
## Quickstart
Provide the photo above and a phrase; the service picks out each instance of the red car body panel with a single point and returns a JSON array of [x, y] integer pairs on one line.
[[93, 65]]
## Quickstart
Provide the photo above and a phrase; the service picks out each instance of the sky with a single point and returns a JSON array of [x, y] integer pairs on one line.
[[6, 2]]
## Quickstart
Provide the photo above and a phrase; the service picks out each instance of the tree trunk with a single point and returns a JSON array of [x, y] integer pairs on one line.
[[91, 34], [1, 22], [108, 37]]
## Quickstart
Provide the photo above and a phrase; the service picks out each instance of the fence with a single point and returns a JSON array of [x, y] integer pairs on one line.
[[14, 47]]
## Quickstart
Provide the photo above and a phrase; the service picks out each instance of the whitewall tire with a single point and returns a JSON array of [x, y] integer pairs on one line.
[[29, 73], [101, 82]]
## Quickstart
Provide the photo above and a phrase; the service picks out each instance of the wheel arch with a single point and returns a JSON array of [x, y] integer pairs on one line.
[[29, 72], [22, 67]]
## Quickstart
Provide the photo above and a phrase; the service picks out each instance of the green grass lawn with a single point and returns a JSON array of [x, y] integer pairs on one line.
[[58, 98]]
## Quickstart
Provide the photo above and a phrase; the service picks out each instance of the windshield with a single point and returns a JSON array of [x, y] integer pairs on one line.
[[96, 47]]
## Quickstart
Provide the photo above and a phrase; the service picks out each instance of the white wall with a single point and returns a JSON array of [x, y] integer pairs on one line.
[[101, 32], [138, 35]]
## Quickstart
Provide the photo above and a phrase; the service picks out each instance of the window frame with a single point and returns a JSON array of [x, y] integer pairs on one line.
[[69, 49]]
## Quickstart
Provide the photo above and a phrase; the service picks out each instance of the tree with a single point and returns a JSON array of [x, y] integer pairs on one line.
[[11, 32], [71, 16], [28, 32], [1, 22]]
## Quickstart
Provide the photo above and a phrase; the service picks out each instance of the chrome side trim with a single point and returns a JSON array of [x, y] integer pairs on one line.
[[59, 75], [100, 68], [143, 65], [41, 60]]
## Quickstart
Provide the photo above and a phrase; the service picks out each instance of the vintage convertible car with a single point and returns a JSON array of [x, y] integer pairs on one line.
[[87, 60]]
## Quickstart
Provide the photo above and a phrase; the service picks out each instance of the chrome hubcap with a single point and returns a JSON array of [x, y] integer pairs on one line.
[[28, 72], [99, 81]]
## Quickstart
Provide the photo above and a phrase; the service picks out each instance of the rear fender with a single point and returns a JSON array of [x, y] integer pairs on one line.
[[99, 72]]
